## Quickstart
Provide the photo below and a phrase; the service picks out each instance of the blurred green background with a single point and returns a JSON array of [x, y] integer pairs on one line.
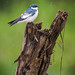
[[11, 38]]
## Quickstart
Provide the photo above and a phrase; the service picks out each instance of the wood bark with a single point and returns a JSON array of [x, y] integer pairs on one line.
[[38, 46]]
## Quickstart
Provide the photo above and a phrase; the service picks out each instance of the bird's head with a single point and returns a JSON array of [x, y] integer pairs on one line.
[[34, 6]]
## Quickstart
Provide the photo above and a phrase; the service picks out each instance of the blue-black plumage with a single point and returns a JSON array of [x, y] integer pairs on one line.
[[28, 16]]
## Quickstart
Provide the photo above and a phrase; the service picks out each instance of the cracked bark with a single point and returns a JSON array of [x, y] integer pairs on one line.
[[38, 45]]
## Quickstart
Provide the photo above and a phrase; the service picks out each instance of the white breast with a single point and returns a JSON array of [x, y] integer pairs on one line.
[[32, 18]]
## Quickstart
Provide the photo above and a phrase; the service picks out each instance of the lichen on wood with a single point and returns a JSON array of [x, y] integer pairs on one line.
[[38, 46]]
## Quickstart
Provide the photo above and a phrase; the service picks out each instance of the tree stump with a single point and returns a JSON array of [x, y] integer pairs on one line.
[[38, 46]]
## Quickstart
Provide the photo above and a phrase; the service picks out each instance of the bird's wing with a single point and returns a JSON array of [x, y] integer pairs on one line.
[[26, 15], [29, 12], [15, 21]]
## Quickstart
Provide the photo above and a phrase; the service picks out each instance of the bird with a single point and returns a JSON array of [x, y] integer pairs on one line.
[[27, 16]]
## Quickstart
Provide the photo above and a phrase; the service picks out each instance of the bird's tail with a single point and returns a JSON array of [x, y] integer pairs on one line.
[[18, 20], [12, 22]]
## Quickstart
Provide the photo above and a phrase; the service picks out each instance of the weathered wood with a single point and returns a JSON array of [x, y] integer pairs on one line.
[[38, 46]]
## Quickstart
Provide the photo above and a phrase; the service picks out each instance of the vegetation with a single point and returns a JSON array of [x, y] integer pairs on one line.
[[11, 37]]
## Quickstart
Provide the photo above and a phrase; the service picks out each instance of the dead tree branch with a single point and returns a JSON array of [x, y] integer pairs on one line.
[[38, 46]]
